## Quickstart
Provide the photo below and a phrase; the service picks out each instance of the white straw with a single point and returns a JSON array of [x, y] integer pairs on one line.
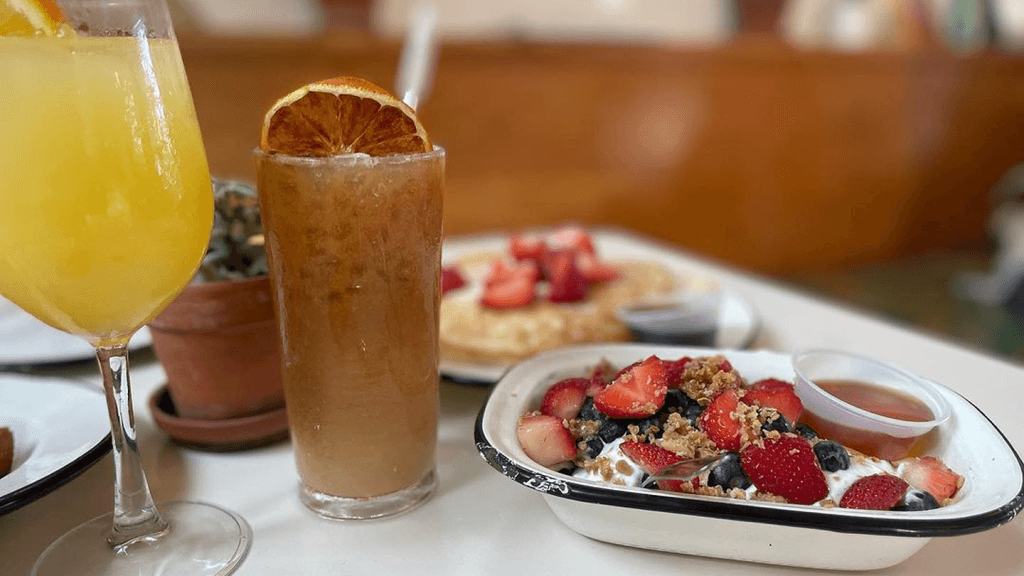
[[418, 59]]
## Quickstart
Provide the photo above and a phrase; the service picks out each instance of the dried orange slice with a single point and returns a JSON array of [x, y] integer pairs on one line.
[[342, 116], [29, 17]]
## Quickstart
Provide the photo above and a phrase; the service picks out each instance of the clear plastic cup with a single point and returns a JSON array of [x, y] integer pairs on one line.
[[867, 405]]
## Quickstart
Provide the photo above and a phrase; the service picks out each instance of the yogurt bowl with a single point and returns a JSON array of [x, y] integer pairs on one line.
[[866, 404], [829, 538]]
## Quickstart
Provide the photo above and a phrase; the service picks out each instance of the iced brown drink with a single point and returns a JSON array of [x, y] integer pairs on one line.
[[354, 246]]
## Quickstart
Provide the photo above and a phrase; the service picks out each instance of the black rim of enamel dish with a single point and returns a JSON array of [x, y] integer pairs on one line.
[[565, 486], [43, 486]]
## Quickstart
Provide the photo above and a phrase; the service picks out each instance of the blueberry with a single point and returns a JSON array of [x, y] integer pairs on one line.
[[609, 429], [831, 456], [676, 398], [594, 447], [915, 500], [806, 431], [590, 412], [677, 401], [692, 413], [612, 429], [776, 422], [651, 422], [729, 474]]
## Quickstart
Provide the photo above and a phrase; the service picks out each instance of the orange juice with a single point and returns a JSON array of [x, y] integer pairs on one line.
[[106, 201]]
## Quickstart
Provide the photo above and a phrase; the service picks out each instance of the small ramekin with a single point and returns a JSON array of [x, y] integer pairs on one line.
[[874, 434]]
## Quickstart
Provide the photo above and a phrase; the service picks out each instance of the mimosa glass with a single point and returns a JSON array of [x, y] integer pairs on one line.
[[104, 218]]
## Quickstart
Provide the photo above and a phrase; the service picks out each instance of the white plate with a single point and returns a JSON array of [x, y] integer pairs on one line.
[[738, 321], [788, 534], [60, 428], [25, 340]]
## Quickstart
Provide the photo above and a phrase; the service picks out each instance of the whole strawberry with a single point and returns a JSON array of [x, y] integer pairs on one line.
[[878, 492], [785, 467]]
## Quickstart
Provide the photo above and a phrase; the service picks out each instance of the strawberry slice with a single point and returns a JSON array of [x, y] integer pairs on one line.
[[527, 269], [718, 423], [503, 271], [510, 285], [675, 371], [574, 238], [772, 384], [597, 385], [652, 458], [878, 492], [545, 439], [600, 377], [451, 279], [604, 371], [786, 467], [566, 282], [627, 369], [500, 272], [931, 475], [565, 397], [638, 393], [527, 247], [513, 293], [595, 270], [772, 393]]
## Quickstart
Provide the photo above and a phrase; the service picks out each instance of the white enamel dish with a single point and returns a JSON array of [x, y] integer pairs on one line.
[[60, 429], [786, 534]]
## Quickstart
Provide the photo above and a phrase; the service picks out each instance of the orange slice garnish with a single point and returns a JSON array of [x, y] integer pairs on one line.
[[342, 116], [29, 17]]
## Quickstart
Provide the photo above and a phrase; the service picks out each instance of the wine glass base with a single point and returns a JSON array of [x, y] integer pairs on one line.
[[341, 508], [202, 540]]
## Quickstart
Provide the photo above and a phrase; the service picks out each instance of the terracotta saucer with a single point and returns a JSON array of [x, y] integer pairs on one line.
[[223, 435]]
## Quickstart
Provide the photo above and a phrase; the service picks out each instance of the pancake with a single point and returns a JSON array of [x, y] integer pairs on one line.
[[475, 333]]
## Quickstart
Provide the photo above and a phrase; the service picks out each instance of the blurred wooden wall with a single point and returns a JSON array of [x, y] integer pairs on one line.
[[754, 154]]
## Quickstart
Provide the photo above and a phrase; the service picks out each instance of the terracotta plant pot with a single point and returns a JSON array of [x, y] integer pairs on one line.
[[219, 345]]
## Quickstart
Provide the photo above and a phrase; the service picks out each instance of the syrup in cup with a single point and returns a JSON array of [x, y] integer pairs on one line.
[[867, 405]]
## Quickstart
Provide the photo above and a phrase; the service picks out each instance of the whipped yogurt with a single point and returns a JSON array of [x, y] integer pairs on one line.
[[614, 456], [838, 482], [860, 467]]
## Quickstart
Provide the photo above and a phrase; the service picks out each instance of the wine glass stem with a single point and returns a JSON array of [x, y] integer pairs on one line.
[[135, 514]]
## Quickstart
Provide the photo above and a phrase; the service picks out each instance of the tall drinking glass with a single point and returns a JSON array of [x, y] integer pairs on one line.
[[105, 213], [354, 247]]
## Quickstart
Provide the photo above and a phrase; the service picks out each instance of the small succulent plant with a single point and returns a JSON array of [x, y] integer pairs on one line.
[[236, 243]]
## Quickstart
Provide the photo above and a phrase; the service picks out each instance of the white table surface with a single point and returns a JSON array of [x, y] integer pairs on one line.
[[479, 522]]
